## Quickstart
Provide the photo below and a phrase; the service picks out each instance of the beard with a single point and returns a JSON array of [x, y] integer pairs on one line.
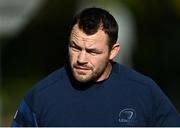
[[88, 73]]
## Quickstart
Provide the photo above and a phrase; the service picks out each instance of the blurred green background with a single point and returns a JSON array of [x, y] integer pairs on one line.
[[34, 34]]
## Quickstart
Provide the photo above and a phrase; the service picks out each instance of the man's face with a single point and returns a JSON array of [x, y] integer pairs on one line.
[[89, 55]]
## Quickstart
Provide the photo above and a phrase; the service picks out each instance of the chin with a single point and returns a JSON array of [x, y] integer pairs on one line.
[[83, 80]]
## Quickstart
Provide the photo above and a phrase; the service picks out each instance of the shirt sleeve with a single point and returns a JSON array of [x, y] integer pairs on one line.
[[24, 116], [165, 113]]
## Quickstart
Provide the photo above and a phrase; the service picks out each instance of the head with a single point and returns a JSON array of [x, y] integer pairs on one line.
[[92, 44]]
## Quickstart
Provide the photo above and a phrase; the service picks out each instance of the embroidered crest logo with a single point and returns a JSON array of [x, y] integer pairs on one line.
[[127, 115]]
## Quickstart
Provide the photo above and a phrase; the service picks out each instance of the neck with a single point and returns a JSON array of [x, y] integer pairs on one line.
[[107, 72]]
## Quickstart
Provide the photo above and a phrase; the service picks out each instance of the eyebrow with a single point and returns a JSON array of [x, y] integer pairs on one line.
[[87, 49]]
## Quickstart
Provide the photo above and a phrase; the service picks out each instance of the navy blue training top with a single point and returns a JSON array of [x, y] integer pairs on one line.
[[126, 98]]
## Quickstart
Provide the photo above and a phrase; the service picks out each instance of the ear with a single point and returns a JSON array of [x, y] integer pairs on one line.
[[114, 51]]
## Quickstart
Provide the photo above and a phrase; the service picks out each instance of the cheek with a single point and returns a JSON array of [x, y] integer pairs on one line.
[[99, 61], [72, 56]]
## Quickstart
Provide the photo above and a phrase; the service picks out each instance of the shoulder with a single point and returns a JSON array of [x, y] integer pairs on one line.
[[138, 83], [47, 85], [131, 75], [144, 89], [50, 80], [142, 85]]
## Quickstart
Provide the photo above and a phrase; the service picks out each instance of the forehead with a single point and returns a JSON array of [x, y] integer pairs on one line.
[[78, 36]]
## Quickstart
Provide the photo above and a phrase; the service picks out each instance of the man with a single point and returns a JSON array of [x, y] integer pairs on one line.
[[92, 90]]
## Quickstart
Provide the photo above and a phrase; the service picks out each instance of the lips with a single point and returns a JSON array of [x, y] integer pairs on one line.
[[82, 68]]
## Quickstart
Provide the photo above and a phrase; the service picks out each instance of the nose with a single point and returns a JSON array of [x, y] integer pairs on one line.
[[82, 57]]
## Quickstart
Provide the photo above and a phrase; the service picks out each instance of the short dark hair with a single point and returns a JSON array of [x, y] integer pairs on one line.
[[90, 20]]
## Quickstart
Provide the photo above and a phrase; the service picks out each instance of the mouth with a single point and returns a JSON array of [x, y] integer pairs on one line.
[[82, 68]]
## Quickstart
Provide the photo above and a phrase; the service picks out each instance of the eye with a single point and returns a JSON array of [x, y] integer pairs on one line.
[[93, 52], [75, 48]]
